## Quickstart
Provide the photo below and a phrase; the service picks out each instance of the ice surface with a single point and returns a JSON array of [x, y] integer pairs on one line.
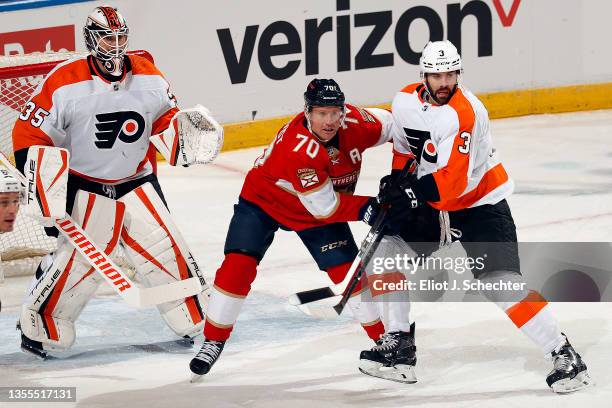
[[469, 354]]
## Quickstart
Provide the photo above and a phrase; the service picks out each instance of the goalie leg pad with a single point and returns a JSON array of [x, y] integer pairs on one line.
[[46, 170], [160, 255], [56, 299], [65, 281]]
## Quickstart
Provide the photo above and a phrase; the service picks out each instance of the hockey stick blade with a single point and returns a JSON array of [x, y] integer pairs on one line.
[[310, 296], [311, 302]]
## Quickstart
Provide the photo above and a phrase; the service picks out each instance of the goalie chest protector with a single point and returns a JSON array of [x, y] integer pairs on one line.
[[105, 125]]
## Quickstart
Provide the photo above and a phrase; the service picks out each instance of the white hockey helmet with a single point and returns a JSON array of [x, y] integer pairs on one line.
[[8, 183], [440, 56], [106, 37]]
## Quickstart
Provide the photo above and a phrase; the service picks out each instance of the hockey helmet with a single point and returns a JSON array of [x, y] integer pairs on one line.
[[440, 56], [8, 183], [323, 92], [106, 37]]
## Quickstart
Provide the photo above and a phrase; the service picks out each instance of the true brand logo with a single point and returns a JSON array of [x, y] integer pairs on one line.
[[238, 61]]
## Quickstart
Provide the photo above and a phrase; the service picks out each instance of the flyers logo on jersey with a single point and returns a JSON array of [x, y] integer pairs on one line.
[[127, 126], [430, 153]]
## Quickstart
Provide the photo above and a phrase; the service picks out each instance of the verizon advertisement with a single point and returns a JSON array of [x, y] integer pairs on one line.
[[248, 60]]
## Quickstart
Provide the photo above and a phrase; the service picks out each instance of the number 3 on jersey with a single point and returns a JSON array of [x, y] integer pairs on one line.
[[39, 116], [465, 147]]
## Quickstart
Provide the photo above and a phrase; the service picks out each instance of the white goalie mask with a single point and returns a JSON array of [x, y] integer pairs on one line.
[[106, 37]]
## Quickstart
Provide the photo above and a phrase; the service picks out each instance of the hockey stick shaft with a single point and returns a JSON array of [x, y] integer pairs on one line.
[[308, 301], [103, 264]]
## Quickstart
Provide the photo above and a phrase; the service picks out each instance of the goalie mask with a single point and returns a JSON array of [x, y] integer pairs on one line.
[[106, 38]]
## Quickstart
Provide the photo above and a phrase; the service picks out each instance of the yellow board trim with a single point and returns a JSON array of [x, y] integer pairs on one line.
[[499, 104]]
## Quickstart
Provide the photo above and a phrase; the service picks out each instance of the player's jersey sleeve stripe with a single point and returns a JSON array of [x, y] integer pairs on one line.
[[452, 179], [321, 201], [494, 178], [162, 122], [400, 159]]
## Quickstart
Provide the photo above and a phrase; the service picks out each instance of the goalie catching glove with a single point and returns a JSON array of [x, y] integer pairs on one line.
[[193, 137]]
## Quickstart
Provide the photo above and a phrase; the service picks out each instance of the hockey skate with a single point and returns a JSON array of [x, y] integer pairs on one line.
[[31, 346], [205, 359], [569, 373], [393, 358]]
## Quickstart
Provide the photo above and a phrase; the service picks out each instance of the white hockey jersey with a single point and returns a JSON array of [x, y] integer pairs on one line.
[[458, 166], [105, 126]]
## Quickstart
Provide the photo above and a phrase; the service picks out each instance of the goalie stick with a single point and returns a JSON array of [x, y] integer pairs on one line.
[[316, 302], [112, 274]]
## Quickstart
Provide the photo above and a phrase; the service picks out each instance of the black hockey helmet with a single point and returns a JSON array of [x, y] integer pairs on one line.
[[323, 92]]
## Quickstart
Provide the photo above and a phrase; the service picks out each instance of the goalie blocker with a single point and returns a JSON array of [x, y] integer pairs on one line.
[[137, 219]]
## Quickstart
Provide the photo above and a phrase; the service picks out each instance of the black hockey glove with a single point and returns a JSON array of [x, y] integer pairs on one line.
[[395, 191], [370, 211], [397, 216]]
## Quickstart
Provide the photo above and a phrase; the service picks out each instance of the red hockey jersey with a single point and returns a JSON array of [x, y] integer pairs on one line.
[[302, 182]]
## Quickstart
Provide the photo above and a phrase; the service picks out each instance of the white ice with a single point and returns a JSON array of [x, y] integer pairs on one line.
[[469, 354]]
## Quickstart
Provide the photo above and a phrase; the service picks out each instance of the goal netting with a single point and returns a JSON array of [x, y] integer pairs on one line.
[[21, 249]]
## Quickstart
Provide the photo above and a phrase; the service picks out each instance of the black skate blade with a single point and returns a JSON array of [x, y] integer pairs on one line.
[[40, 354]]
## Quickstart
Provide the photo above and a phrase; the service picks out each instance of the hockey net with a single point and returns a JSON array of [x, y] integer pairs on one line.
[[21, 249]]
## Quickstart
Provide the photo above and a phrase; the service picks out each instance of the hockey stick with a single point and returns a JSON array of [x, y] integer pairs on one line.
[[316, 302], [114, 276]]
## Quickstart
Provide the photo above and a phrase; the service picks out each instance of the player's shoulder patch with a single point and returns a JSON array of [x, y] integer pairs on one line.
[[308, 177]]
